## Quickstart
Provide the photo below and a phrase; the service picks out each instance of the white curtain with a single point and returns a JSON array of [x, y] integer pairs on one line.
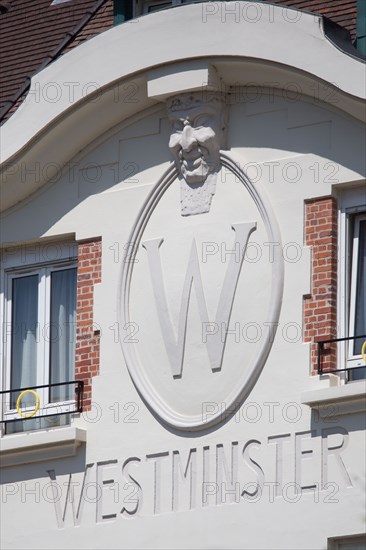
[[62, 332], [360, 316], [24, 336], [360, 319]]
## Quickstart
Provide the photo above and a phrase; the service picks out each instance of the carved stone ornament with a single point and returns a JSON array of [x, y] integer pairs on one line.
[[199, 121], [175, 369]]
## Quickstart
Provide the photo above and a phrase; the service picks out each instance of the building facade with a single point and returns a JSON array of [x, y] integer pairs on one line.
[[183, 243]]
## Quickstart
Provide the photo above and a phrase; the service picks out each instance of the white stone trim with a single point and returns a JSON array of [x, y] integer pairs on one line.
[[38, 446], [250, 375], [192, 76], [351, 201], [75, 95], [347, 542], [339, 400]]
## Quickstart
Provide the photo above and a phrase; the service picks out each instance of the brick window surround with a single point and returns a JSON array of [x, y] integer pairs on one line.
[[320, 307], [87, 353]]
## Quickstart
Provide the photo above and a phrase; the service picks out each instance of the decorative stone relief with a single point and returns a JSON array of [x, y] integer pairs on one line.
[[199, 122], [182, 359]]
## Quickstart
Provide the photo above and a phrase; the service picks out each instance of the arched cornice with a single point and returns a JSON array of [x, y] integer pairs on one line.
[[104, 81]]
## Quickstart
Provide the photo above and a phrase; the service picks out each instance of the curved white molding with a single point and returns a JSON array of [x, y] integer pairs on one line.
[[336, 400], [246, 382], [76, 95], [57, 443], [301, 45]]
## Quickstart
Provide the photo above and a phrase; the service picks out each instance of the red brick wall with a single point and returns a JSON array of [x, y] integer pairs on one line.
[[87, 336], [320, 307]]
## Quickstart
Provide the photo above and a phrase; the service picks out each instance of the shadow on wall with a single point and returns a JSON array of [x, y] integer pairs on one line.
[[332, 418], [293, 127], [266, 128], [38, 470], [117, 164]]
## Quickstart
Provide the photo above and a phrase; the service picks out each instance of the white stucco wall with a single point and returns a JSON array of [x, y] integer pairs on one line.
[[292, 148]]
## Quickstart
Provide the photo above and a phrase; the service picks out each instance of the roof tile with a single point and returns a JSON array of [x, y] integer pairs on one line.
[[31, 30]]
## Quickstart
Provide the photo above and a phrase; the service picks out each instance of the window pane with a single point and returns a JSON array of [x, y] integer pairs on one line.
[[359, 318], [37, 423], [24, 336], [62, 333], [157, 7], [360, 313]]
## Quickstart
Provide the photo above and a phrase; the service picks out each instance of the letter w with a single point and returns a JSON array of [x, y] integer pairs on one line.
[[70, 497], [215, 343]]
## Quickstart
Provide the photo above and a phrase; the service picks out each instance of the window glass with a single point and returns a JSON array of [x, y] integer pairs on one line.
[[360, 299], [38, 423], [357, 315], [40, 315], [24, 337], [158, 7], [62, 332]]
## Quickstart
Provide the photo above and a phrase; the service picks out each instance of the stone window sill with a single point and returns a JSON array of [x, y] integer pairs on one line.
[[38, 446], [337, 400]]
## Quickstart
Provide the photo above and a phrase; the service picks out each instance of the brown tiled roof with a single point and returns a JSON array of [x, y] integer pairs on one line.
[[101, 21], [32, 29], [342, 12]]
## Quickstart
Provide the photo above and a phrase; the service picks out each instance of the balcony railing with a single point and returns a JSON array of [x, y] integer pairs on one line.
[[322, 351], [47, 400]]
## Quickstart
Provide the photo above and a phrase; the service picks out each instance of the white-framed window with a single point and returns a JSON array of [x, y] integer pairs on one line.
[[357, 307], [149, 6], [39, 335], [353, 542], [352, 279]]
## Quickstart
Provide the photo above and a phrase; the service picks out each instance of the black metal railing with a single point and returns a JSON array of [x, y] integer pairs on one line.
[[322, 350], [14, 404]]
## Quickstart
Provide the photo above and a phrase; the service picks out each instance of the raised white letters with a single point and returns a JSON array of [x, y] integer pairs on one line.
[[215, 342]]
